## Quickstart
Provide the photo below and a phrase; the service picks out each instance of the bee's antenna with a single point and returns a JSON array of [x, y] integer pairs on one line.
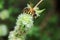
[[38, 3]]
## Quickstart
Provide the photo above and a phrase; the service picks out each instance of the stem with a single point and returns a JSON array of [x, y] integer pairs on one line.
[[38, 3]]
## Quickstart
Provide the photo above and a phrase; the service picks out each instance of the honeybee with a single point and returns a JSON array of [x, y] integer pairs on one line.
[[30, 11]]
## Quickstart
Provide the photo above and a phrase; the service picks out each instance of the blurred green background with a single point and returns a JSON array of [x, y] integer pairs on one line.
[[48, 20]]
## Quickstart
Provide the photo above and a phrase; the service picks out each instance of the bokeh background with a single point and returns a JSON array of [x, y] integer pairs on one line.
[[46, 25]]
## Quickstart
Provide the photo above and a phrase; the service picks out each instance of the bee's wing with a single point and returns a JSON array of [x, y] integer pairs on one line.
[[28, 6]]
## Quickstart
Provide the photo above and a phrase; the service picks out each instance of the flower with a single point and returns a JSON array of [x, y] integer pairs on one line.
[[4, 14], [3, 30], [25, 19], [13, 36]]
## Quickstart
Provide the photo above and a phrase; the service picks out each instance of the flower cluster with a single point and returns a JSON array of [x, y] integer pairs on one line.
[[23, 25]]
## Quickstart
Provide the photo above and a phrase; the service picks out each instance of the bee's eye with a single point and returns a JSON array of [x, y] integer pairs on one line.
[[34, 15]]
